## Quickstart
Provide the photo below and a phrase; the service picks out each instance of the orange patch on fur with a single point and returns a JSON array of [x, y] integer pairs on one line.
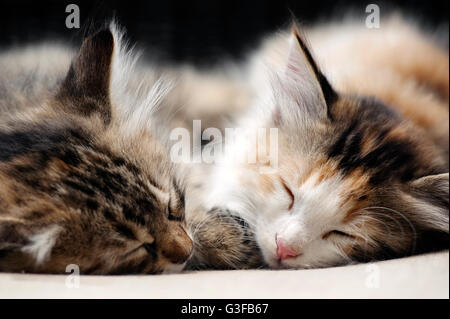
[[326, 172], [304, 177], [355, 193], [357, 210], [266, 183], [368, 143], [399, 132]]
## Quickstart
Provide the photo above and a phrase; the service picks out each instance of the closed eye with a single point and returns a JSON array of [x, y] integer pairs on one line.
[[149, 247], [337, 233], [290, 193]]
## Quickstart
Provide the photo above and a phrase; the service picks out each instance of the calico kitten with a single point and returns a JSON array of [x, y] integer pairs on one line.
[[85, 175], [362, 170]]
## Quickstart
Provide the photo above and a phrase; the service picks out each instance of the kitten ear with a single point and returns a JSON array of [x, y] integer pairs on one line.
[[85, 89], [430, 202], [304, 81]]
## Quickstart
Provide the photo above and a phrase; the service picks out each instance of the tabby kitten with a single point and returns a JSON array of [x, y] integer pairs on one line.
[[356, 180], [84, 179]]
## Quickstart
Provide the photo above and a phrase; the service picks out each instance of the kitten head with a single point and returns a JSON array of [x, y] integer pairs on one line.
[[84, 182], [355, 181]]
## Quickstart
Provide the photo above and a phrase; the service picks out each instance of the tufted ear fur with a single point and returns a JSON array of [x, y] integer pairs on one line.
[[304, 83], [86, 88]]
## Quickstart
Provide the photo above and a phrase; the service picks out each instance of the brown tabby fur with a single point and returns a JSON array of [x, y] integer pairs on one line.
[[75, 189]]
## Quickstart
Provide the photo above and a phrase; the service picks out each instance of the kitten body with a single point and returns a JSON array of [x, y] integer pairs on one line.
[[85, 174], [362, 170]]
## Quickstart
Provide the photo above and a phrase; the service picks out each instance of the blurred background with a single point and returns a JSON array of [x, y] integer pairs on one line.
[[199, 31]]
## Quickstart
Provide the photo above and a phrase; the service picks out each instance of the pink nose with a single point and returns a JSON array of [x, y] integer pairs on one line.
[[284, 251]]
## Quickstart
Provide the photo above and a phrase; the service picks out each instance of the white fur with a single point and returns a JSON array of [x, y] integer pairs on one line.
[[41, 244], [136, 90], [316, 210]]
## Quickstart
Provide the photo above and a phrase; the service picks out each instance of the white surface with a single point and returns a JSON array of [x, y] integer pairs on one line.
[[425, 276]]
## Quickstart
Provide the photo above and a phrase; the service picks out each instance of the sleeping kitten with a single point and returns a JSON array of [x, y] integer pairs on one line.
[[85, 175], [358, 178]]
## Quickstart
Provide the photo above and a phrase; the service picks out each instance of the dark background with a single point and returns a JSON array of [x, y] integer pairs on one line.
[[196, 31]]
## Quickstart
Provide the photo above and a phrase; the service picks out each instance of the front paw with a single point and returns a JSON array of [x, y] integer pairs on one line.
[[223, 240]]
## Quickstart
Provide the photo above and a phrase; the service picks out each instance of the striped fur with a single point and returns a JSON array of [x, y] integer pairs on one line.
[[80, 184]]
